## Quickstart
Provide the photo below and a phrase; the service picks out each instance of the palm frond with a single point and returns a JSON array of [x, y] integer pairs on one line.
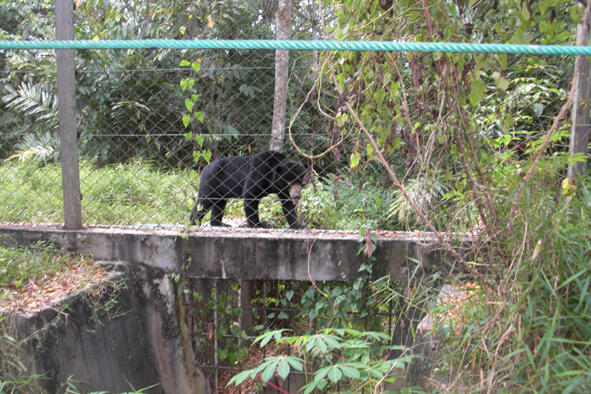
[[36, 101], [43, 147]]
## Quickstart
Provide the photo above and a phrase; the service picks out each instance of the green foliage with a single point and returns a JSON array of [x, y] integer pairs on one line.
[[136, 192], [199, 152], [15, 376], [117, 194], [132, 193], [460, 130], [42, 147], [228, 330], [331, 359], [425, 194], [347, 202], [471, 127], [37, 103], [30, 121], [18, 265], [539, 329], [342, 304]]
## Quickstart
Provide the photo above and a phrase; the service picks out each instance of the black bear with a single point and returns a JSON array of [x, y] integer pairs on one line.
[[250, 178]]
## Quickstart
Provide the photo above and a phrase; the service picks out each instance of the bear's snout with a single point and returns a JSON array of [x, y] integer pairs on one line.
[[295, 193]]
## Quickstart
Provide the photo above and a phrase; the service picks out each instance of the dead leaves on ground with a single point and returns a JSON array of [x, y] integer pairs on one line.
[[36, 294]]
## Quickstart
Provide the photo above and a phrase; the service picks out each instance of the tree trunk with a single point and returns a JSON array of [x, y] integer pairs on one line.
[[281, 76], [581, 127]]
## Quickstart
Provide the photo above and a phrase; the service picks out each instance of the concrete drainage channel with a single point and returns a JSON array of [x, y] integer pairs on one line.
[[123, 338], [132, 336]]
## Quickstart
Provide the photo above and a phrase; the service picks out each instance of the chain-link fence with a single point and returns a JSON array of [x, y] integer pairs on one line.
[[145, 134], [150, 120]]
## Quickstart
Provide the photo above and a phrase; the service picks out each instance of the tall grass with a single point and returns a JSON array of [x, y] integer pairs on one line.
[[138, 192], [533, 331], [130, 193]]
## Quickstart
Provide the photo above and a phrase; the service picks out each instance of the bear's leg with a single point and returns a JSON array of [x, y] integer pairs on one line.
[[197, 216], [251, 209], [217, 213], [290, 212]]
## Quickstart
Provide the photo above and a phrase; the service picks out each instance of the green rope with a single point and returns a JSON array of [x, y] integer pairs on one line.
[[305, 45]]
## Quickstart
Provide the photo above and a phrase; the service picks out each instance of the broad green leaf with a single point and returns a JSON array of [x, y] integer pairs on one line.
[[269, 371], [186, 120], [341, 80], [283, 316], [335, 374], [355, 157], [199, 116], [266, 339], [521, 37], [341, 119], [231, 130], [296, 363], [199, 138], [185, 63], [379, 96], [476, 92], [239, 378], [369, 150], [350, 372], [196, 65], [196, 156], [502, 83], [321, 373], [283, 368], [189, 105]]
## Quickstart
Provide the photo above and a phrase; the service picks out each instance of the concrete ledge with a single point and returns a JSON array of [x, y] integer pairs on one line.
[[237, 253]]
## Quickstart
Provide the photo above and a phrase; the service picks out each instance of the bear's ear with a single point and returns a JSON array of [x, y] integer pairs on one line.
[[289, 171]]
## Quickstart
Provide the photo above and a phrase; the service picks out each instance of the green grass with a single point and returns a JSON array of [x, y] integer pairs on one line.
[[132, 193], [137, 193], [20, 265], [30, 193]]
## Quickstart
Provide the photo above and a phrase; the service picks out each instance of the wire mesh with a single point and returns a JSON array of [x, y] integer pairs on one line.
[[140, 157], [149, 120]]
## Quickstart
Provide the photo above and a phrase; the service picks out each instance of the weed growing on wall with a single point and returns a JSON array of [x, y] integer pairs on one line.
[[15, 374]]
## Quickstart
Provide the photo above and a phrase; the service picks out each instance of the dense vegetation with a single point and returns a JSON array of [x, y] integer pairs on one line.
[[466, 143]]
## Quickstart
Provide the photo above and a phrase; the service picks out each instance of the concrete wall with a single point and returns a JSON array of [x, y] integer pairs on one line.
[[149, 343], [124, 337], [246, 253]]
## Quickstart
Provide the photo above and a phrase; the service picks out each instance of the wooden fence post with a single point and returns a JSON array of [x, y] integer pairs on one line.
[[581, 125], [66, 99]]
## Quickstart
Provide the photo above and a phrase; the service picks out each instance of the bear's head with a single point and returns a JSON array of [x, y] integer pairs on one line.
[[292, 176]]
